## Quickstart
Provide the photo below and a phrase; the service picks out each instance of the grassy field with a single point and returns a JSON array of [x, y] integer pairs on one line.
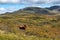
[[39, 27]]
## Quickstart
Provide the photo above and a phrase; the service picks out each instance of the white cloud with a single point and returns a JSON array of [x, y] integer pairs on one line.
[[14, 1], [3, 1], [2, 10], [31, 1], [10, 9], [9, 1], [40, 1]]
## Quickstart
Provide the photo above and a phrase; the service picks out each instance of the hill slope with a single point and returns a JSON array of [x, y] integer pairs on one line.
[[38, 26]]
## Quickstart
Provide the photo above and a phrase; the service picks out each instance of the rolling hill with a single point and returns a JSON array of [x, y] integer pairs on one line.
[[41, 24]]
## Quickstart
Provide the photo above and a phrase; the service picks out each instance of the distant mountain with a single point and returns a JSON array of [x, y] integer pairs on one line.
[[50, 10], [54, 8], [35, 10], [38, 10]]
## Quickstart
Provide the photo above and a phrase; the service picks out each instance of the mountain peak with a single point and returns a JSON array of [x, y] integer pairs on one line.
[[36, 10], [32, 8], [54, 7]]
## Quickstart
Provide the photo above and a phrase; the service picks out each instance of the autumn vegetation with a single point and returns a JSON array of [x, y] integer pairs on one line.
[[31, 23], [39, 27]]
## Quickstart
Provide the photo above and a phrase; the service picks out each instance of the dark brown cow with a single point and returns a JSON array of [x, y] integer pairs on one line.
[[22, 27]]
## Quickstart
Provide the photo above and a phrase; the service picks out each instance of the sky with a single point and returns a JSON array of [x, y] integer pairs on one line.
[[14, 5]]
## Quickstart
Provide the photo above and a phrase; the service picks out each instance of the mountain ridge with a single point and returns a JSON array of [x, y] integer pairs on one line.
[[50, 10]]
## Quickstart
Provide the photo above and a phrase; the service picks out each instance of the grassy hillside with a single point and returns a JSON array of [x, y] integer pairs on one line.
[[39, 26]]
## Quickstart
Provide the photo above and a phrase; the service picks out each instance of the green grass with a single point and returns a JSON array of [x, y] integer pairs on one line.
[[39, 27]]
